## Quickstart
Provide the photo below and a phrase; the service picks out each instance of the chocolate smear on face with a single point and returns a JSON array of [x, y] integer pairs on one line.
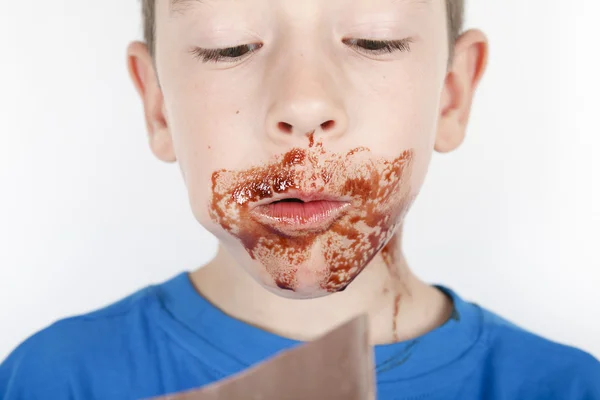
[[311, 139], [377, 189]]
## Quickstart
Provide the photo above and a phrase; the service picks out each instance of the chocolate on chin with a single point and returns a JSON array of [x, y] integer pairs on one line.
[[338, 366]]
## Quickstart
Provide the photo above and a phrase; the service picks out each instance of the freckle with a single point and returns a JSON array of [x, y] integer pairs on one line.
[[209, 147]]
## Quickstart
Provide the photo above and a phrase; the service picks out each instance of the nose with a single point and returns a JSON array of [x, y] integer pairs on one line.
[[306, 101]]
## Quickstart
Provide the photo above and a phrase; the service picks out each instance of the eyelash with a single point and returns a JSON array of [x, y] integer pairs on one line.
[[378, 47], [225, 54], [231, 54]]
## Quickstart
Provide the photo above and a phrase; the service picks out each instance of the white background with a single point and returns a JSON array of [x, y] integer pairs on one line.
[[87, 215]]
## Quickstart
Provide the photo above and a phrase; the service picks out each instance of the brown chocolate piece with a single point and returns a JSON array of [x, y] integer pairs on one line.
[[338, 366]]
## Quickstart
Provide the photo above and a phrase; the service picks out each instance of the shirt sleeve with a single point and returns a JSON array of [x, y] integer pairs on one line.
[[35, 371], [579, 379]]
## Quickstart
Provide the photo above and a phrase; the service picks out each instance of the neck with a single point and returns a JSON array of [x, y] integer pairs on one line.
[[399, 306]]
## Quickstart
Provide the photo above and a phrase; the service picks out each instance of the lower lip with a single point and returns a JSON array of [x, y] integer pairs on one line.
[[296, 216]]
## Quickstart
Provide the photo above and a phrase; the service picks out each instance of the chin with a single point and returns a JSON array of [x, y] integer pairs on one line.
[[307, 283], [299, 293]]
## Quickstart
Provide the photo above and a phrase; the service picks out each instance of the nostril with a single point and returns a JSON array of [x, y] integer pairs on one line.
[[328, 125], [285, 127]]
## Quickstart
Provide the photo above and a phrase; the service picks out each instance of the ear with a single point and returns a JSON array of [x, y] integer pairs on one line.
[[468, 66], [143, 74]]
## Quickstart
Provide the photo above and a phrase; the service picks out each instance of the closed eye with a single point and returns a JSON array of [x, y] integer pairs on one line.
[[377, 47], [228, 54]]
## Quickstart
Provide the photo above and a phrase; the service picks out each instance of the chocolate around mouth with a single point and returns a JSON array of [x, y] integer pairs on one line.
[[379, 195]]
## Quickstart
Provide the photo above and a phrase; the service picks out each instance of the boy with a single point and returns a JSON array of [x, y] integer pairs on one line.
[[303, 130]]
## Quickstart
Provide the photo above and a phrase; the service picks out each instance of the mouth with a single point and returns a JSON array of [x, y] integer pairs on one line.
[[297, 213]]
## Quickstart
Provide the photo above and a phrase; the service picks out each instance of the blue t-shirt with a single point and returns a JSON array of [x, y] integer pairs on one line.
[[167, 338]]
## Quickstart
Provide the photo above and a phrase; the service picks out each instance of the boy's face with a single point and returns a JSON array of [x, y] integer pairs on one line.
[[303, 145]]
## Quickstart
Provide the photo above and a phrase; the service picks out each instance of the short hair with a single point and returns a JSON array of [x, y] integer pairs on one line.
[[454, 10]]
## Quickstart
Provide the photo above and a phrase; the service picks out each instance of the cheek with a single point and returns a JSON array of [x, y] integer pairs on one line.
[[203, 132], [398, 106], [399, 115], [207, 106]]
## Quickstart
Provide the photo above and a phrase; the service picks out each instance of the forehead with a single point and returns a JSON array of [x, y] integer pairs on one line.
[[180, 6]]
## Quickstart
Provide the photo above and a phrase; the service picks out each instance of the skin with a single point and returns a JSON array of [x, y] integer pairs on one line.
[[308, 87]]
